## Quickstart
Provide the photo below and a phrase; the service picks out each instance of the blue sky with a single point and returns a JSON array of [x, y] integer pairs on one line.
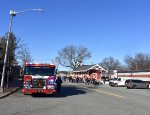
[[106, 27]]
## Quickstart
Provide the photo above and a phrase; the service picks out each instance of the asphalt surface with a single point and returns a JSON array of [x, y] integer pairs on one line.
[[78, 99]]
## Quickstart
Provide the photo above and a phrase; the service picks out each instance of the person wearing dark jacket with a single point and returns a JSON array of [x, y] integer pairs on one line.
[[58, 82]]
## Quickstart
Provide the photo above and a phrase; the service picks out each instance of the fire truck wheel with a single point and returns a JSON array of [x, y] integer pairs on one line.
[[52, 95]]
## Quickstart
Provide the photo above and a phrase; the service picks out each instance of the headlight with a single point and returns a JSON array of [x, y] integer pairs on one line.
[[28, 84], [51, 81]]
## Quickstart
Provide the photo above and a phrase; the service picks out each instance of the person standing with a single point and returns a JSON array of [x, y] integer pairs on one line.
[[58, 82], [104, 80]]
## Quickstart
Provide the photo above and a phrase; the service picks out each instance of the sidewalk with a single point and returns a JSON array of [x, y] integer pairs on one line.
[[13, 87]]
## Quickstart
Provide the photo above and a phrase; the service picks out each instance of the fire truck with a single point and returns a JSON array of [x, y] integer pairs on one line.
[[39, 78]]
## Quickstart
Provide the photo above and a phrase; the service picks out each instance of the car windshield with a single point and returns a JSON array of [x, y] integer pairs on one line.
[[115, 79], [44, 71], [136, 81], [127, 81]]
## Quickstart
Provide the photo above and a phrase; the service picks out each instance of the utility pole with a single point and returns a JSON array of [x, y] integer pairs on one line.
[[12, 14], [6, 52]]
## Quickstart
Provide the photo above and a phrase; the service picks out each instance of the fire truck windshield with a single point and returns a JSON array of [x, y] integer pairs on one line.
[[44, 71]]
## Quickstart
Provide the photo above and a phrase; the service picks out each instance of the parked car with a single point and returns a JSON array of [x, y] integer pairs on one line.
[[117, 82], [136, 83]]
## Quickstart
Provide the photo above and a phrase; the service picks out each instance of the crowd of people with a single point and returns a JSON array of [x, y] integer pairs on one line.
[[85, 80], [75, 79], [72, 79]]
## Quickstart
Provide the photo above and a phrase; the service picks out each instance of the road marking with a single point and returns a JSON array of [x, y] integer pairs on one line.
[[112, 94]]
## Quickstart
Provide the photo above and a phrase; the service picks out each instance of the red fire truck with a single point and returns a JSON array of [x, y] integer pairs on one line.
[[39, 78]]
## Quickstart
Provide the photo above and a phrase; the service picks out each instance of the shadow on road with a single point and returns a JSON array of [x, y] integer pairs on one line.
[[65, 91]]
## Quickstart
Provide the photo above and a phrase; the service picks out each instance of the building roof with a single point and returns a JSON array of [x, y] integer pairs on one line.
[[83, 68], [63, 72], [133, 71], [88, 67]]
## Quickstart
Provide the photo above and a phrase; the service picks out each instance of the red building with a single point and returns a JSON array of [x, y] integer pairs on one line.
[[91, 71]]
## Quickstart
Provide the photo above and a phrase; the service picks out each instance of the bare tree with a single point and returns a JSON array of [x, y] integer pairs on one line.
[[55, 61], [24, 55], [140, 61], [130, 62], [71, 56], [110, 63]]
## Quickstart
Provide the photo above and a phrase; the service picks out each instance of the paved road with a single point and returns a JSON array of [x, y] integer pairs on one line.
[[80, 100]]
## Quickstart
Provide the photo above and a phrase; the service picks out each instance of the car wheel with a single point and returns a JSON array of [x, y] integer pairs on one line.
[[116, 85], [134, 86]]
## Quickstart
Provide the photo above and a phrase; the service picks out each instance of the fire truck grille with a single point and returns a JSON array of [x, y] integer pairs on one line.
[[38, 83]]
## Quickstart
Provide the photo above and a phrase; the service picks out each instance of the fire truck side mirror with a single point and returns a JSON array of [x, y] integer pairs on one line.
[[56, 71]]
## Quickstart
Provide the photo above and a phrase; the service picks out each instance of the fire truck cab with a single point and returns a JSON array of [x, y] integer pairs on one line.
[[39, 78]]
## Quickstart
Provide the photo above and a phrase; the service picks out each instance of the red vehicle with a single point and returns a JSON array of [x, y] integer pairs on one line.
[[39, 78]]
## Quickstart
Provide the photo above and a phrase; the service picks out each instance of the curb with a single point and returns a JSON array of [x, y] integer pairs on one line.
[[9, 93]]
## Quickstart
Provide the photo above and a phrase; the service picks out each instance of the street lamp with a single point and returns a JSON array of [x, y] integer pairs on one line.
[[12, 14]]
